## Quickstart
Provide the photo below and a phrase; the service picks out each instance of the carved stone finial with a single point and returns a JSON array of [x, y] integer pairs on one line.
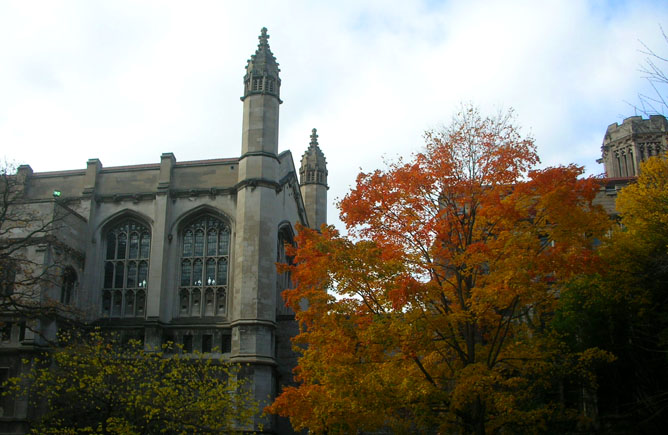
[[314, 137], [264, 38]]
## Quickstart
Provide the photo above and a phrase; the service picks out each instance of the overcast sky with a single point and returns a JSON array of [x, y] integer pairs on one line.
[[125, 81]]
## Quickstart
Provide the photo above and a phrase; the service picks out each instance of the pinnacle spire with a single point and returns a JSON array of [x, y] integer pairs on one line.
[[313, 183], [314, 137], [313, 165], [264, 38], [262, 70]]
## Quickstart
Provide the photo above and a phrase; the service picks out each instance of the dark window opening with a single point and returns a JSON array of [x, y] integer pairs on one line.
[[69, 283], [7, 277], [168, 343], [207, 340], [6, 331], [187, 343], [6, 402], [226, 345]]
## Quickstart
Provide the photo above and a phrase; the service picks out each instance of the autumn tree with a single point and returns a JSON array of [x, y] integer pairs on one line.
[[434, 313], [95, 384], [624, 308]]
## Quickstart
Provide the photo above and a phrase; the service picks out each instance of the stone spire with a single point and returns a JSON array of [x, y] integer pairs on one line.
[[313, 183], [314, 166], [261, 109], [262, 71]]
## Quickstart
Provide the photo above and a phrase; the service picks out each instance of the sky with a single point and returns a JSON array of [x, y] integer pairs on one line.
[[125, 81]]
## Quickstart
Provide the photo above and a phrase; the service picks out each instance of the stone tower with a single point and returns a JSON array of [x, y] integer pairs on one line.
[[253, 316], [628, 144], [313, 183]]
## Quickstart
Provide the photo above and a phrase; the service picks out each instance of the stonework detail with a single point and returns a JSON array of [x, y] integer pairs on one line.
[[313, 180], [262, 70], [313, 168], [624, 147], [634, 141]]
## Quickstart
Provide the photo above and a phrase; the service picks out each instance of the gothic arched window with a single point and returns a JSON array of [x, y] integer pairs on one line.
[[205, 248], [283, 280], [69, 283], [126, 269]]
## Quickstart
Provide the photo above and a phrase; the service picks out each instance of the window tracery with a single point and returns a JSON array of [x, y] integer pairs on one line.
[[126, 270], [204, 268]]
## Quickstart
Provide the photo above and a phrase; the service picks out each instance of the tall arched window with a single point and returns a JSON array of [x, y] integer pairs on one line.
[[283, 280], [126, 269], [205, 249]]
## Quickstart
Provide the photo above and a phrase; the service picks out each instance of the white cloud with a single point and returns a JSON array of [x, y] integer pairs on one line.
[[127, 81]]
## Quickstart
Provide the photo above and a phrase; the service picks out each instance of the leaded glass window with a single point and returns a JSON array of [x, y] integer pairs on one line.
[[126, 270], [205, 245]]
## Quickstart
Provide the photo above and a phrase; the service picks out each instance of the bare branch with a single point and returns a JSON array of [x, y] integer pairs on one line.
[[653, 70]]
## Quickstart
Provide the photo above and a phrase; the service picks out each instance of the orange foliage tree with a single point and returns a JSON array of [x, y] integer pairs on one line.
[[434, 312]]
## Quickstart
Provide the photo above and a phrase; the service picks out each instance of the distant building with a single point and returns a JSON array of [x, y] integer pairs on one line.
[[624, 147], [180, 251]]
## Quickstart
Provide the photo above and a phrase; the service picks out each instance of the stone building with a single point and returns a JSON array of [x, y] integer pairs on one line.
[[624, 147], [180, 251]]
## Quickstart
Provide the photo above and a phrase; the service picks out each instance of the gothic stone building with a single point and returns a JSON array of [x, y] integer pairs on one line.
[[624, 147], [186, 251], [180, 251]]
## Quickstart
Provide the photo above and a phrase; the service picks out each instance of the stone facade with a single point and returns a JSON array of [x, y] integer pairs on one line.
[[181, 251], [624, 147]]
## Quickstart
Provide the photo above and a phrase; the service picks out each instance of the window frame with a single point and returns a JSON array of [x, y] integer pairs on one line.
[[195, 257], [127, 298], [70, 280]]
